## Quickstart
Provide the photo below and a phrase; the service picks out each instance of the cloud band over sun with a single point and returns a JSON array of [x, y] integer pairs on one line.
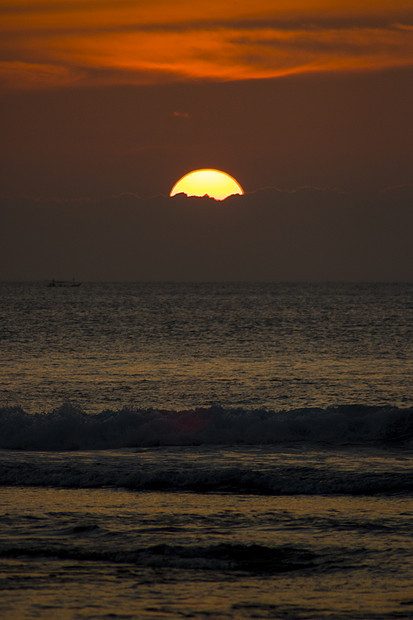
[[49, 44]]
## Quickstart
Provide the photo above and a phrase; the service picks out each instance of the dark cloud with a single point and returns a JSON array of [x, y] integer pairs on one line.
[[271, 235]]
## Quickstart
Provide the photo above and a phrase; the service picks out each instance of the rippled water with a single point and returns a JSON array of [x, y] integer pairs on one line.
[[177, 346]]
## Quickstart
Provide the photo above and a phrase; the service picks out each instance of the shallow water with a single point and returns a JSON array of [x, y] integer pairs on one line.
[[99, 552]]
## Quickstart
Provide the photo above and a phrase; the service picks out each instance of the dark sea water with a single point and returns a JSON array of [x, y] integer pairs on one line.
[[206, 451]]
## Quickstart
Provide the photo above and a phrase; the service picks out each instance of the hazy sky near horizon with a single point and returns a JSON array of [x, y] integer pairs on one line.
[[101, 99]]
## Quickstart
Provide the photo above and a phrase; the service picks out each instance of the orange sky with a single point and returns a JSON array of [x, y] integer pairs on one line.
[[86, 42]]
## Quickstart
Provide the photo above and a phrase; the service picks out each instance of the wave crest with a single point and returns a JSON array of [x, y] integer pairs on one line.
[[70, 428]]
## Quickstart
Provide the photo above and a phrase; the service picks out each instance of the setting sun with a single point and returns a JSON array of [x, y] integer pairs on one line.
[[207, 182]]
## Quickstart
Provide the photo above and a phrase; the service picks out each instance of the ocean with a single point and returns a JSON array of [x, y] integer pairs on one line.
[[206, 450]]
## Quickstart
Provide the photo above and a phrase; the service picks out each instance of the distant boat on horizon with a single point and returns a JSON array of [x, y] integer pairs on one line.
[[64, 283]]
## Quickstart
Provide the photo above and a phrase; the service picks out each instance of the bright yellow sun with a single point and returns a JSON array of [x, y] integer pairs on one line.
[[207, 182]]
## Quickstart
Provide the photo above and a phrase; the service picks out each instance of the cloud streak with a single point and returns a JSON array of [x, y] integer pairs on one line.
[[44, 45]]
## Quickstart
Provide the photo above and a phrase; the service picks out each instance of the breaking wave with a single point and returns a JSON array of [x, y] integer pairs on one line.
[[70, 428]]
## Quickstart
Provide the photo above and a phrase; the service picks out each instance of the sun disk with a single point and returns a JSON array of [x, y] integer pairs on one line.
[[207, 182]]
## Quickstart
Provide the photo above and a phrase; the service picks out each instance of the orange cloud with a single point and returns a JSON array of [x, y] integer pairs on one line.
[[99, 42]]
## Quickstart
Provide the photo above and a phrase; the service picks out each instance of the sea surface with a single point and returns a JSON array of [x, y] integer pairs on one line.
[[206, 451]]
